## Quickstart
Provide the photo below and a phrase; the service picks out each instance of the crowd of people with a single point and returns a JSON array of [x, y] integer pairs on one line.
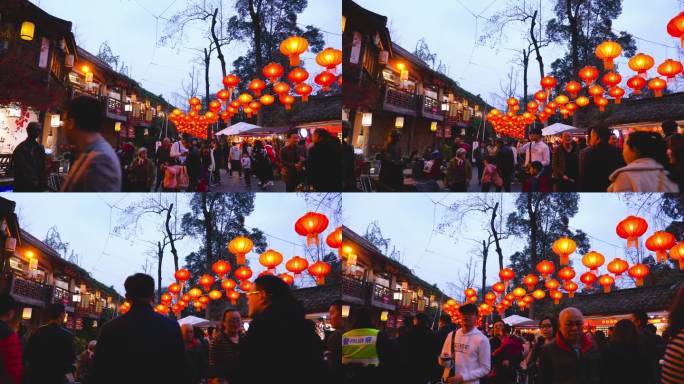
[[143, 346], [186, 164], [564, 350], [597, 162]]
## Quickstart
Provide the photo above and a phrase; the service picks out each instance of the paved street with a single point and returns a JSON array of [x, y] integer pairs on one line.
[[237, 184]]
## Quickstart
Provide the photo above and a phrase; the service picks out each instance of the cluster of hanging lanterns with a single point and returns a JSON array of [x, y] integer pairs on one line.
[[599, 91], [543, 284], [256, 96], [217, 284]]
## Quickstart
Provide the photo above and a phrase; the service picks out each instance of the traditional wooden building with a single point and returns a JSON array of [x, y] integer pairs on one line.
[[387, 88], [36, 275], [389, 288]]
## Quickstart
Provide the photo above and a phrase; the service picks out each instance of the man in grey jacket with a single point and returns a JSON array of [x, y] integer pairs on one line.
[[97, 169]]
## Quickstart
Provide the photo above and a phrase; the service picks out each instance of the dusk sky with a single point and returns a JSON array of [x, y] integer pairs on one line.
[[452, 30], [132, 28], [408, 219], [84, 221]]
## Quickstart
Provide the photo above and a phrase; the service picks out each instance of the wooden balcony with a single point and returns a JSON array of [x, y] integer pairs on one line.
[[382, 297], [60, 295], [29, 292], [115, 109], [455, 116], [431, 109], [399, 101], [353, 290]]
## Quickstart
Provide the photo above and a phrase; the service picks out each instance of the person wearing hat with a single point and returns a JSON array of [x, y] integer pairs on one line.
[[141, 172], [466, 353], [97, 169]]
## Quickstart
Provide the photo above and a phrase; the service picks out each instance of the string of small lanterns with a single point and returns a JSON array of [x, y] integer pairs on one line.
[[631, 229], [513, 124], [196, 123], [216, 285]]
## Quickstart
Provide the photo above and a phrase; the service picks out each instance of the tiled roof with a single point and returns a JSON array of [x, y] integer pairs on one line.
[[630, 111], [623, 301], [318, 298]]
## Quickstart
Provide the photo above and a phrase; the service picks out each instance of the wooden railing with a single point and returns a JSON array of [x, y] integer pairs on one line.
[[30, 289], [400, 101]]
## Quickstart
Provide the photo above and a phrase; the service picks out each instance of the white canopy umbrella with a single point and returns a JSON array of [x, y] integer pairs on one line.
[[518, 320], [237, 129], [556, 129], [194, 321]]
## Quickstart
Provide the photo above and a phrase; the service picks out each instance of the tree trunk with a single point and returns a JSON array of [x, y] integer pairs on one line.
[[534, 226], [526, 65], [535, 42], [495, 234], [219, 52], [160, 256], [255, 15], [208, 234], [169, 234], [207, 61], [485, 252]]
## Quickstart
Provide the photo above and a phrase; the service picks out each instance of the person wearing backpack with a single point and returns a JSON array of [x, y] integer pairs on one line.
[[466, 353]]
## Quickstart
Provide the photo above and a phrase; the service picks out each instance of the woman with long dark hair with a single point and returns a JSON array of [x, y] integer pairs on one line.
[[624, 360], [646, 156], [672, 369], [279, 342], [548, 327]]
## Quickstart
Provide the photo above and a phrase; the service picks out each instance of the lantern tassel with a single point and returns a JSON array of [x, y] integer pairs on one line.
[[240, 258], [311, 240], [564, 259], [606, 289], [571, 294], [639, 281], [632, 242], [320, 280], [681, 264]]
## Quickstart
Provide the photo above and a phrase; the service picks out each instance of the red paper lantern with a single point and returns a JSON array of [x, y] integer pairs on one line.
[[582, 101], [469, 292], [271, 259], [175, 288], [298, 75], [215, 294], [617, 93], [538, 294], [287, 278], [573, 88], [319, 270], [638, 272], [273, 71], [657, 85], [545, 268], [296, 265], [233, 296], [611, 79], [608, 51], [636, 83], [617, 266], [564, 247], [281, 88], [602, 103], [256, 86], [206, 281], [267, 100], [660, 242], [325, 80], [223, 95], [589, 74], [556, 296], [165, 298], [303, 90], [334, 239], [530, 281], [541, 96], [570, 287], [631, 228], [240, 247], [292, 47], [593, 260], [490, 297], [506, 275], [588, 279], [677, 254], [498, 287], [670, 68], [228, 284], [606, 281], [641, 64], [329, 58], [676, 27], [552, 284], [311, 225], [230, 82], [548, 82], [247, 286], [182, 275], [519, 292], [243, 273], [287, 101], [221, 268], [195, 292], [566, 273]]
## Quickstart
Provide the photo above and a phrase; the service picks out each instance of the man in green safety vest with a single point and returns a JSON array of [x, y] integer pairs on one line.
[[360, 357]]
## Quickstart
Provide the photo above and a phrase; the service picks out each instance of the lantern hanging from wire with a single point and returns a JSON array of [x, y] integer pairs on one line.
[[593, 260], [545, 268], [530, 281], [631, 228], [297, 265], [311, 225], [588, 279], [319, 270], [638, 272], [271, 259], [676, 28], [293, 47], [660, 242], [564, 247], [334, 239], [641, 64], [606, 281], [677, 254], [617, 266], [240, 247], [608, 51]]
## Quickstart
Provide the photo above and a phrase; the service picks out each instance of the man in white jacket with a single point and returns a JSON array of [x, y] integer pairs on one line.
[[466, 354]]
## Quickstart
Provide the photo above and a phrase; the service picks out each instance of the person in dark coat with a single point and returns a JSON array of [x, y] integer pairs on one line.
[[419, 351], [392, 166], [162, 159], [49, 355], [324, 164], [279, 340], [140, 346], [572, 358], [652, 345], [291, 161], [333, 343], [193, 162], [504, 163], [565, 165], [10, 346], [623, 360], [28, 163], [444, 327], [599, 161]]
